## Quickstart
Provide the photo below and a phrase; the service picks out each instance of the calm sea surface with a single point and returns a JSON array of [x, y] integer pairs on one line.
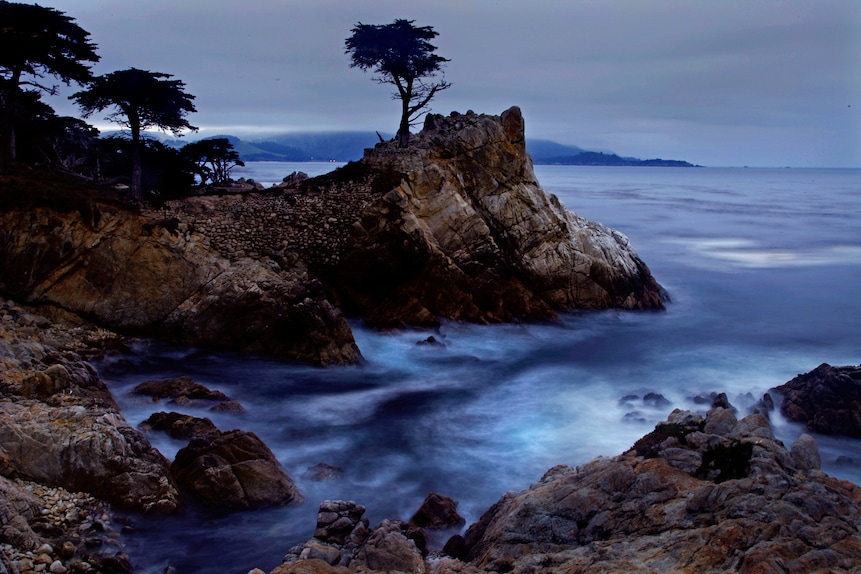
[[764, 268]]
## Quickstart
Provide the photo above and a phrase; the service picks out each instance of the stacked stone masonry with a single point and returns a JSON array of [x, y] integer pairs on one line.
[[313, 225]]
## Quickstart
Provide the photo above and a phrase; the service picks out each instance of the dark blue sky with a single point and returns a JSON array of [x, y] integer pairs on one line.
[[759, 82]]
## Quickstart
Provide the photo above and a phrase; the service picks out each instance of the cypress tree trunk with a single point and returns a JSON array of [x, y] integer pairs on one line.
[[136, 186]]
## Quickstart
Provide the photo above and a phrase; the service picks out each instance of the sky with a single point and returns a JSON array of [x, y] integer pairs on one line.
[[767, 83]]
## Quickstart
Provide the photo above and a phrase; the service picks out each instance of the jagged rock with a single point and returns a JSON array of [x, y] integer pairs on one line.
[[60, 426], [437, 512], [464, 231], [233, 470], [391, 547], [827, 400], [146, 276], [761, 512]]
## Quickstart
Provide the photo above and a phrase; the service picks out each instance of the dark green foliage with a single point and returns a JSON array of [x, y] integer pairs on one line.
[[649, 445], [36, 42], [726, 462], [401, 55], [214, 159], [166, 174], [140, 100]]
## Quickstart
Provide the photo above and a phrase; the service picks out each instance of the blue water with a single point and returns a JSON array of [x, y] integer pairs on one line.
[[764, 268]]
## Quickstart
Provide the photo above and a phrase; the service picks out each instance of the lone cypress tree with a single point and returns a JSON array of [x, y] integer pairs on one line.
[[400, 54]]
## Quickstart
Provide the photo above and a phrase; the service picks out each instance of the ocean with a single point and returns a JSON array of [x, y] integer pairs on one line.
[[764, 270]]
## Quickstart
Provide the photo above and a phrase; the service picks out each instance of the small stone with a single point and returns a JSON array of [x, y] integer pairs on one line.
[[67, 550], [57, 567]]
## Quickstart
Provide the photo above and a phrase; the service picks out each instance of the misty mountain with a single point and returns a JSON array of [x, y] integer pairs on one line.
[[541, 150], [350, 146]]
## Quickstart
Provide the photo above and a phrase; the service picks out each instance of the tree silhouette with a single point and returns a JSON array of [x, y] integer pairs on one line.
[[36, 42], [215, 158], [400, 54], [142, 100]]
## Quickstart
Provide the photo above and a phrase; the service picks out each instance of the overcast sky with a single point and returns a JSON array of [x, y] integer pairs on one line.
[[729, 82]]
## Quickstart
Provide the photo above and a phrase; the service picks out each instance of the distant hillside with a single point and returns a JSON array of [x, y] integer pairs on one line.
[[350, 146], [541, 150], [611, 159]]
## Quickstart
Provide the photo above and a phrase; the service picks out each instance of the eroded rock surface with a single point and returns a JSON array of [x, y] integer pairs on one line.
[[147, 276], [827, 400], [464, 231], [60, 426], [698, 495]]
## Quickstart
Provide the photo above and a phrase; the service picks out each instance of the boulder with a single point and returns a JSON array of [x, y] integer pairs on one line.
[[437, 512], [233, 470], [827, 400], [141, 275], [463, 230]]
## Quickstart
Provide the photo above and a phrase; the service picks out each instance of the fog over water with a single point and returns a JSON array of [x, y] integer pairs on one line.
[[764, 269]]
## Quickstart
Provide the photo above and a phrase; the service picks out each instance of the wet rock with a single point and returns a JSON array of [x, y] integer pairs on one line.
[[180, 389], [232, 471], [655, 400], [827, 400], [178, 425], [437, 512]]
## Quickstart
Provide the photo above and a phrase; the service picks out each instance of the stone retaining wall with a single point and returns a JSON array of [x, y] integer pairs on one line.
[[314, 225]]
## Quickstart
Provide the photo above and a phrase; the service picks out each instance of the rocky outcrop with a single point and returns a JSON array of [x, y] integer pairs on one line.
[[139, 275], [465, 231], [827, 400], [437, 512], [699, 494], [59, 425], [233, 470]]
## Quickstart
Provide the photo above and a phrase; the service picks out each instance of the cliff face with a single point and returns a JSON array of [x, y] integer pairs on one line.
[[466, 232], [142, 276], [454, 227]]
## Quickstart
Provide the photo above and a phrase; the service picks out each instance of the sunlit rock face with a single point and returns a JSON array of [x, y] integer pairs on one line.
[[143, 276], [466, 232]]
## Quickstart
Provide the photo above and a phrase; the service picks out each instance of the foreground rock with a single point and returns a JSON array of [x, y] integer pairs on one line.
[[706, 495], [60, 426], [147, 276], [827, 400], [463, 230], [233, 470], [66, 452]]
